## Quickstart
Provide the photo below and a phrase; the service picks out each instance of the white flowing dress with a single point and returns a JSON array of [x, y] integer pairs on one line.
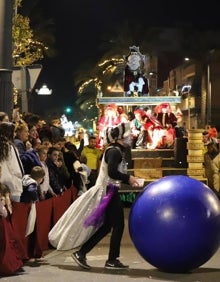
[[69, 233]]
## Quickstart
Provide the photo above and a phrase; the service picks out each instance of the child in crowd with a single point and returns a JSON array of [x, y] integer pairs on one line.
[[46, 190], [5, 201], [46, 142], [31, 184]]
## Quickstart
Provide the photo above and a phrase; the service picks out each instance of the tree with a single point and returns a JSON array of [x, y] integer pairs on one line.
[[28, 48]]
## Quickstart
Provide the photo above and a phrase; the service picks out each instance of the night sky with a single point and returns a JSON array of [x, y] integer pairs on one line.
[[81, 25]]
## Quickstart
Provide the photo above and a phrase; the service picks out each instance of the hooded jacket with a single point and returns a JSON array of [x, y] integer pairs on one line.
[[30, 190]]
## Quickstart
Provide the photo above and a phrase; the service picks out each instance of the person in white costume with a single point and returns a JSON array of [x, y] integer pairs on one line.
[[83, 224], [12, 169]]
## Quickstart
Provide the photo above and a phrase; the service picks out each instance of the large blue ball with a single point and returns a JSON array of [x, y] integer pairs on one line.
[[175, 223]]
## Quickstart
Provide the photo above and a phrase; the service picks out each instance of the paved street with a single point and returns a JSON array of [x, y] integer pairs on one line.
[[59, 266]]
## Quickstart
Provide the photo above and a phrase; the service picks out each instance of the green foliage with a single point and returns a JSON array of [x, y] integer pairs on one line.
[[26, 49]]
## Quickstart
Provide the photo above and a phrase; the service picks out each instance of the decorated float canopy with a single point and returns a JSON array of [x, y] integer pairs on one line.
[[132, 88]]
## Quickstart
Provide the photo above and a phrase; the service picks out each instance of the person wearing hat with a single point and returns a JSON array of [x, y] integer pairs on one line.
[[99, 210], [110, 117], [135, 81], [152, 126], [168, 121]]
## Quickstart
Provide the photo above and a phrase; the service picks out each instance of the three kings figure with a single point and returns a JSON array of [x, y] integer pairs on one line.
[[135, 81]]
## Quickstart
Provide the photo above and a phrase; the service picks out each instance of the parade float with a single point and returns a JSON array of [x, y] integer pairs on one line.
[[132, 97]]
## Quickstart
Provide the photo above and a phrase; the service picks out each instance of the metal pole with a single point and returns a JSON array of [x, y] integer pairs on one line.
[[6, 89], [24, 92], [189, 105], [209, 102]]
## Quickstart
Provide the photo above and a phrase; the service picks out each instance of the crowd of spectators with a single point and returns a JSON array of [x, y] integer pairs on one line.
[[37, 163]]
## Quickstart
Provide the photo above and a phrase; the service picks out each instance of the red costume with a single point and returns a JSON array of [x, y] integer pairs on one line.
[[168, 120], [12, 252], [110, 118], [152, 126], [212, 132]]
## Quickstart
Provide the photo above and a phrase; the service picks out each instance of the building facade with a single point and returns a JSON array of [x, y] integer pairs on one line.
[[198, 84]]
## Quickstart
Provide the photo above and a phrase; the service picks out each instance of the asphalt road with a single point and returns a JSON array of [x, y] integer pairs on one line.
[[58, 266]]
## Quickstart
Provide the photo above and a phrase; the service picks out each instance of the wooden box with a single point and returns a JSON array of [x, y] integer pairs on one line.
[[195, 171], [148, 173], [147, 162]]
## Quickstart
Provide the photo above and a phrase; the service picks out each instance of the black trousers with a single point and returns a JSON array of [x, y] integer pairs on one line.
[[114, 221]]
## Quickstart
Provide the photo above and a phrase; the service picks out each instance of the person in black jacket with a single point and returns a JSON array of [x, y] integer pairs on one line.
[[56, 175], [116, 138]]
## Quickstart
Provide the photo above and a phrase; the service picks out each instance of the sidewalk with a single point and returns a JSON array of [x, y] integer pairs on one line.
[[58, 266]]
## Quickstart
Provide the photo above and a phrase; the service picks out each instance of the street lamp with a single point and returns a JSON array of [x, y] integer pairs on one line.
[[44, 90]]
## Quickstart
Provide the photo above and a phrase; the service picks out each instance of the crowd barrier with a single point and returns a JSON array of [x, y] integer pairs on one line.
[[48, 213]]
